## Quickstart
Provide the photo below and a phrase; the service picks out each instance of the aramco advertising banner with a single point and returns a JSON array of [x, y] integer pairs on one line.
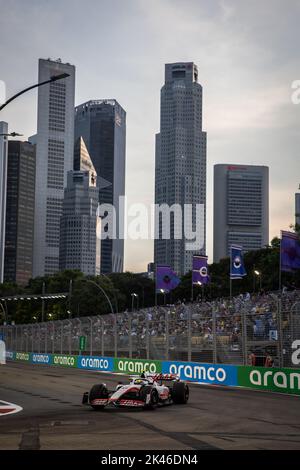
[[270, 379], [213, 374], [280, 380]]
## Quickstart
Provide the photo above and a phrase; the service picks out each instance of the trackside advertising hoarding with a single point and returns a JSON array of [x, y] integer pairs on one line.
[[64, 360], [10, 355], [39, 358], [270, 379], [260, 378], [96, 363], [213, 374], [137, 366], [22, 356]]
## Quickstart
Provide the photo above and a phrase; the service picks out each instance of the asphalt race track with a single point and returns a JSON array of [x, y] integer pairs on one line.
[[215, 418]]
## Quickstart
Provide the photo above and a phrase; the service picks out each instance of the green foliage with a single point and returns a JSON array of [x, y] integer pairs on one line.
[[88, 299]]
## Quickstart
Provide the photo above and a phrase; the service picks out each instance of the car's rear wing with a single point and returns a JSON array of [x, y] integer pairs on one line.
[[158, 377]]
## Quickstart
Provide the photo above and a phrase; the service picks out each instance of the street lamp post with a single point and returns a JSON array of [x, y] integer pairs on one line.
[[258, 274], [101, 289], [54, 78], [133, 296]]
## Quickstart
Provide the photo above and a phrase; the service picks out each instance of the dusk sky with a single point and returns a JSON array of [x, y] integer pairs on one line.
[[247, 55]]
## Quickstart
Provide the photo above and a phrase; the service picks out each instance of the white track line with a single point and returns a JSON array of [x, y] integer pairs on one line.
[[7, 408]]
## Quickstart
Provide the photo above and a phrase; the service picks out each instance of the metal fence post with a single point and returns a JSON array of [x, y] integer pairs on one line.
[[21, 337], [32, 338], [61, 336], [27, 339], [115, 336], [91, 335], [70, 337], [244, 337], [80, 333], [53, 337], [16, 338], [102, 336], [147, 337], [280, 332], [46, 337], [39, 338], [214, 331], [130, 336], [167, 333], [189, 337]]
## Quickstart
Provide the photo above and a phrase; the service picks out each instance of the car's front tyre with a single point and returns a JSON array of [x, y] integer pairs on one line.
[[98, 391]]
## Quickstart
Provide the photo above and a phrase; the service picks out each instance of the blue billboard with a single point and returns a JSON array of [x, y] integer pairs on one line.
[[213, 374], [96, 363]]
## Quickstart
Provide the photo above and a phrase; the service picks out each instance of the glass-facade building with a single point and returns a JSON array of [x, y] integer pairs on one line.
[[54, 158], [241, 208], [180, 166], [102, 125], [19, 212], [3, 179]]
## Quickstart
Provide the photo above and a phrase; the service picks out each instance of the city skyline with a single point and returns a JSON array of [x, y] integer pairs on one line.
[[248, 112]]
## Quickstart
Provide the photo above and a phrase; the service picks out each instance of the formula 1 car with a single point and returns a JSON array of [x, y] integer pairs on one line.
[[145, 391]]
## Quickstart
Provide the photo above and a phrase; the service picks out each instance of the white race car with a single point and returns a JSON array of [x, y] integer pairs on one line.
[[144, 391]]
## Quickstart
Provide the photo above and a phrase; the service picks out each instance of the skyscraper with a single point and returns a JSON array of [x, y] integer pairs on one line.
[[180, 163], [3, 176], [79, 245], [19, 212], [102, 125], [241, 208], [54, 158]]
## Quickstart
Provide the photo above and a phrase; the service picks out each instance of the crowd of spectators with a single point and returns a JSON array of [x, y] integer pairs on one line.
[[155, 326]]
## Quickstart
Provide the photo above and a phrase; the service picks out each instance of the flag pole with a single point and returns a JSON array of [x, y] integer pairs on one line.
[[230, 280], [155, 285], [280, 262]]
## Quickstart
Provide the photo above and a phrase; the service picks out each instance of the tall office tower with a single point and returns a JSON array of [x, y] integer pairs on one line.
[[3, 177], [297, 208], [102, 125], [241, 208], [180, 164], [54, 158], [79, 244], [19, 212]]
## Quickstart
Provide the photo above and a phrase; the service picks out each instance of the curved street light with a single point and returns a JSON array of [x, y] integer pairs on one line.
[[100, 288], [54, 78]]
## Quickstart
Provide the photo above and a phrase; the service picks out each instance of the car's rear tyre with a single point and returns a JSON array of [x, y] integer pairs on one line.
[[98, 391], [180, 393], [154, 399]]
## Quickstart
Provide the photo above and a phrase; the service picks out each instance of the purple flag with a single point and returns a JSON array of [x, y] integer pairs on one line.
[[290, 251], [200, 271], [166, 279]]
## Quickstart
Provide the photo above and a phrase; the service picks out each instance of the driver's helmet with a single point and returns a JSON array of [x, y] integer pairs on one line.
[[141, 381]]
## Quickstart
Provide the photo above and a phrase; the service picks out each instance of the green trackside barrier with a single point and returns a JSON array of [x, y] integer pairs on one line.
[[64, 360], [136, 366], [280, 380], [22, 356], [270, 379]]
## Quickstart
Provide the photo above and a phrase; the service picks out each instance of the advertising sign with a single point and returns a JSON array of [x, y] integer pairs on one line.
[[214, 374], [96, 363], [271, 379], [64, 360], [137, 366], [37, 358], [22, 356]]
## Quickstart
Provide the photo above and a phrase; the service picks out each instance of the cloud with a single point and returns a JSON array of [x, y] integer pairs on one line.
[[247, 58]]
